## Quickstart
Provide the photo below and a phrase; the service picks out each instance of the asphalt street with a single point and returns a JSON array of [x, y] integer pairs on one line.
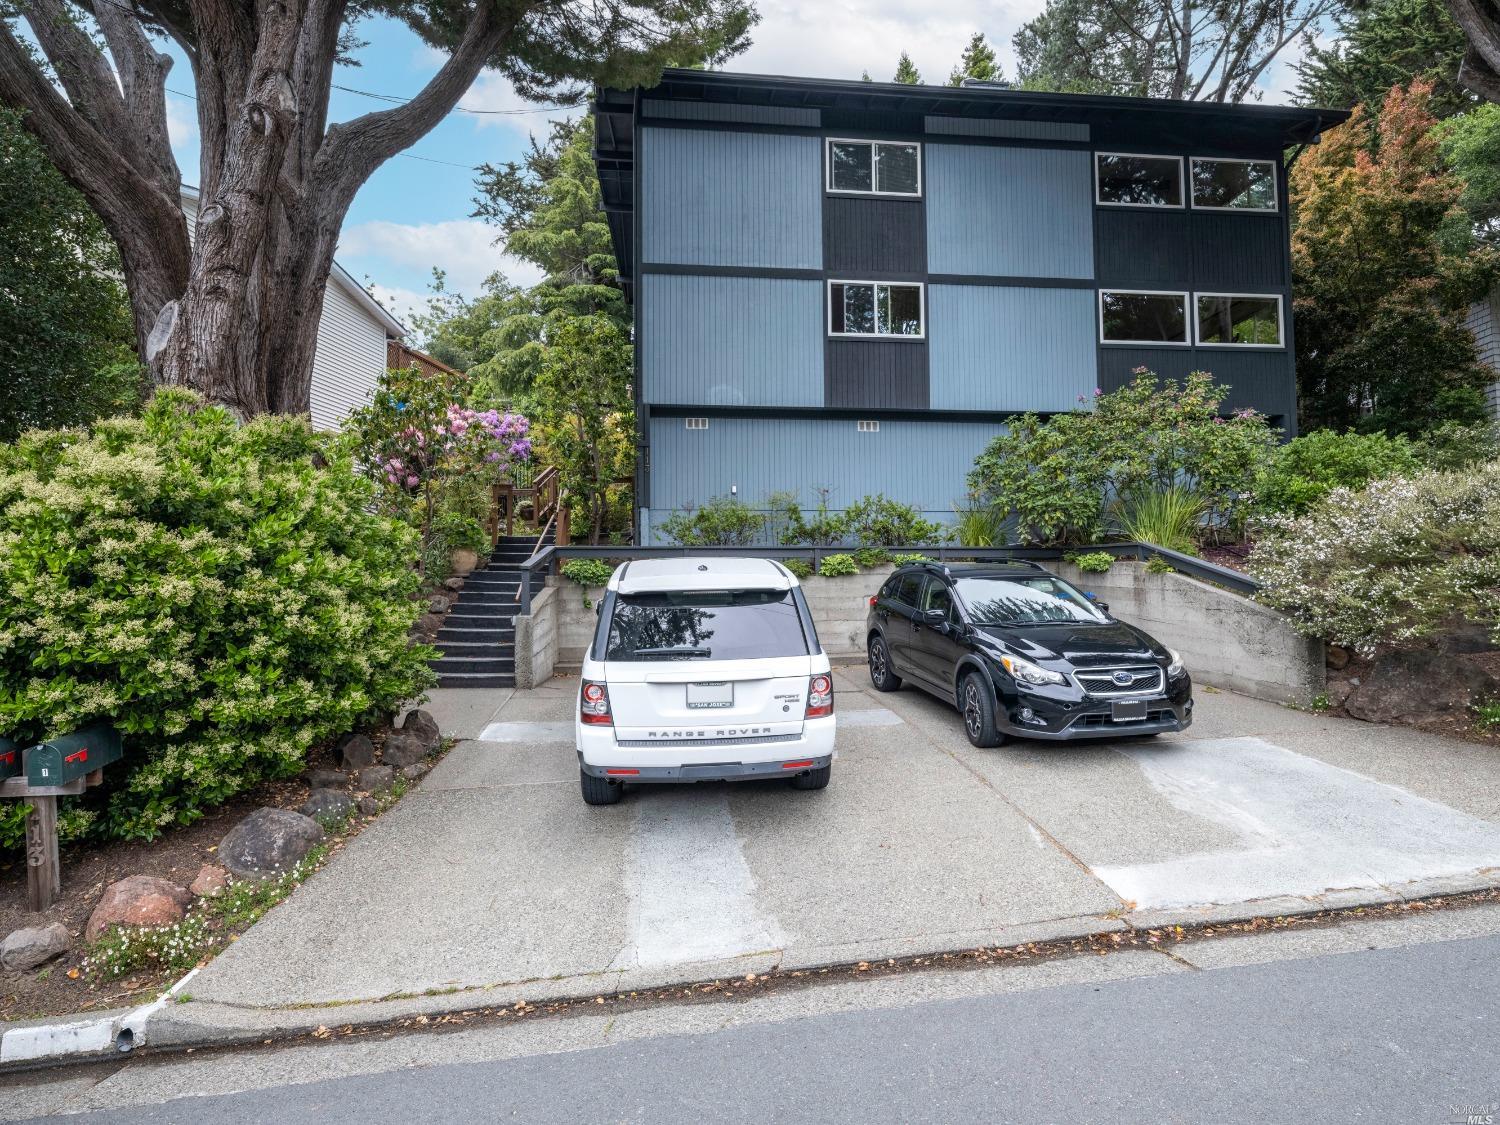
[[1399, 1026]]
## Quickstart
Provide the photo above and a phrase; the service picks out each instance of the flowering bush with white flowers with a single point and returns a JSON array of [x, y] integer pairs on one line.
[[1389, 565], [224, 594]]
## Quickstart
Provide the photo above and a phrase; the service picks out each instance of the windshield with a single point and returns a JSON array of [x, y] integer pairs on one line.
[[706, 625], [1042, 600]]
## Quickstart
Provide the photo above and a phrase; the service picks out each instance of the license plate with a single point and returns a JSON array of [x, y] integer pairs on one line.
[[720, 693], [1128, 710]]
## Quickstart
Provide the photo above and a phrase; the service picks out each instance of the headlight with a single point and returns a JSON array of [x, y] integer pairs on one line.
[[1028, 673], [1174, 669]]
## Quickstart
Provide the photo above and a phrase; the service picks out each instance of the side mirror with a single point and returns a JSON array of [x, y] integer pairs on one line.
[[1103, 606], [936, 618], [598, 609]]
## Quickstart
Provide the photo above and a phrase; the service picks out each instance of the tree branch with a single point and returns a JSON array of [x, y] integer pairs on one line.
[[143, 74], [1480, 71], [80, 67]]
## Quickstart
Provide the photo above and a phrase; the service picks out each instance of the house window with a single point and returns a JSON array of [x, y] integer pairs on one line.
[[696, 423], [1125, 180], [1234, 185], [1248, 320], [875, 168], [869, 308], [1130, 316], [867, 427]]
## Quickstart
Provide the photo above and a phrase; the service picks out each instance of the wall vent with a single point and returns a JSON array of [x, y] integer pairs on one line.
[[867, 427], [697, 423]]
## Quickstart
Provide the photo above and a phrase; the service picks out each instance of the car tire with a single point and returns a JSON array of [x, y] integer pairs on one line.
[[599, 790], [976, 703], [813, 779], [881, 674]]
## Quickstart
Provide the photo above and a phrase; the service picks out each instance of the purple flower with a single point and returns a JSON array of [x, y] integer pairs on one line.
[[411, 481]]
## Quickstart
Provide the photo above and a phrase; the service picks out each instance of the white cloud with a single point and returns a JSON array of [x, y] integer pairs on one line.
[[400, 303], [182, 122], [494, 103], [463, 248]]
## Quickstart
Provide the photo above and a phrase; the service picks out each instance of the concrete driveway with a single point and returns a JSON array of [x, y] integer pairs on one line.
[[492, 880]]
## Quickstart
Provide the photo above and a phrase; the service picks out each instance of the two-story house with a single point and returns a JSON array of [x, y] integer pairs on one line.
[[852, 286]]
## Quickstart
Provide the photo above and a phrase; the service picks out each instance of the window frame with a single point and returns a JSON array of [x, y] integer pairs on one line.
[[919, 286], [1280, 322], [829, 142], [1183, 189], [1274, 209], [1188, 322]]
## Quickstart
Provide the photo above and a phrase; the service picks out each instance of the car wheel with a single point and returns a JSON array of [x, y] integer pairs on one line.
[[881, 674], [813, 779], [598, 790], [977, 705]]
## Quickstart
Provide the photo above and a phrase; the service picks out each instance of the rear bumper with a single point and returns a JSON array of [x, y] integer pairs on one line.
[[704, 760], [719, 771]]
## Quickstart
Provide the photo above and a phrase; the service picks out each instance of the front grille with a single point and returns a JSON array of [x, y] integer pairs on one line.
[[756, 740], [1144, 679], [1102, 719]]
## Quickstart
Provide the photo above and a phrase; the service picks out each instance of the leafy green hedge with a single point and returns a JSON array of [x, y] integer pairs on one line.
[[222, 593]]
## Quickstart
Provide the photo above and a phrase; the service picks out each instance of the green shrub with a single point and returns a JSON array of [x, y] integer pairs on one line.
[[824, 529], [589, 573], [1488, 716], [1158, 565], [1093, 562], [1170, 518], [906, 559], [1054, 474], [722, 522], [980, 525], [1306, 469], [868, 557], [836, 566], [223, 593], [799, 567], [878, 521], [1455, 445], [1388, 566]]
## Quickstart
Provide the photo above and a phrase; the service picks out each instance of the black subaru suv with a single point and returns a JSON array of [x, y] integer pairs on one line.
[[1023, 654]]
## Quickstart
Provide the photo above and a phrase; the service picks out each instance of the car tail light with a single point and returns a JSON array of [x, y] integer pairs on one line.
[[819, 696], [593, 705], [873, 599]]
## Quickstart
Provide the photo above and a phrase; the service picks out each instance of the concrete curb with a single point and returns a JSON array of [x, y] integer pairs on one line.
[[117, 1031]]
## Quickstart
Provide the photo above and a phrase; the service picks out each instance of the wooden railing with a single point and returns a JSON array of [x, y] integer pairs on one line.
[[542, 488]]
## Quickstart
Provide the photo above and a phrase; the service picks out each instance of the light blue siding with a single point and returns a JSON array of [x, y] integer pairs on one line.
[[999, 347], [923, 463], [987, 127], [732, 341], [723, 111], [731, 199], [1018, 212]]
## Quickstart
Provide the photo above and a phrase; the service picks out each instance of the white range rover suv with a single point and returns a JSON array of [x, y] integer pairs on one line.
[[703, 669]]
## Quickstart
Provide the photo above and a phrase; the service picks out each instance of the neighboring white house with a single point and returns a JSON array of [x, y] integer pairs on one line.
[[352, 338], [1484, 322]]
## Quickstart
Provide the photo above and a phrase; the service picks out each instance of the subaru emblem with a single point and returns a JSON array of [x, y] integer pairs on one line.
[[1123, 678]]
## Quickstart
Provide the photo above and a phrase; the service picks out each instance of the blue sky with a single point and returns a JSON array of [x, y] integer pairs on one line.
[[414, 214]]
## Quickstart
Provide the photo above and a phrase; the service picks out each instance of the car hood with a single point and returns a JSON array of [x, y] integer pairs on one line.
[[1080, 643]]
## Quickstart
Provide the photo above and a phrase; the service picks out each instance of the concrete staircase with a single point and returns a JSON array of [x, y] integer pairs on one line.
[[478, 637]]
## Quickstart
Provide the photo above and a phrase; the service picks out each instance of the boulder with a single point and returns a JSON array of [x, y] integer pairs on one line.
[[402, 748], [356, 752], [331, 779], [139, 900], [1336, 657], [414, 771], [1338, 692], [327, 804], [33, 946], [1467, 637], [211, 879], [268, 842], [422, 725], [1419, 684], [437, 604], [428, 624], [453, 582], [376, 779], [368, 806]]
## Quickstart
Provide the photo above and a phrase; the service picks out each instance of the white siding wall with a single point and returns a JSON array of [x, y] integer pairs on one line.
[[1484, 322]]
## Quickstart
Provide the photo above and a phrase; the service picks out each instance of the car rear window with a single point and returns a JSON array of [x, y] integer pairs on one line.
[[706, 625]]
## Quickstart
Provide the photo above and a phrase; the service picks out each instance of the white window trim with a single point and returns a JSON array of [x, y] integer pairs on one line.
[[1275, 207], [1280, 322], [1188, 325], [828, 144], [867, 426], [695, 423], [1183, 189], [828, 310]]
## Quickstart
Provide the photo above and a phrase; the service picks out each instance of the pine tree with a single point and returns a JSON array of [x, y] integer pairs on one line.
[[977, 61], [864, 76], [906, 71]]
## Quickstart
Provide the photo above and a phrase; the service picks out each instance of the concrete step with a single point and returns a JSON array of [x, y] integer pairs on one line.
[[498, 636], [475, 665], [458, 680]]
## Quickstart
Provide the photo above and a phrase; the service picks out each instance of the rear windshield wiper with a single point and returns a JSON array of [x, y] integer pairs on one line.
[[673, 651]]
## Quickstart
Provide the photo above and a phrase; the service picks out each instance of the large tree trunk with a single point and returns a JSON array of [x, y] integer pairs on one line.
[[1480, 71]]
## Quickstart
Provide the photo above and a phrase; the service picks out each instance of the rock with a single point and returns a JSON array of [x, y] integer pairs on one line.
[[414, 771], [428, 624], [437, 604], [356, 752], [268, 842], [368, 806], [327, 805], [33, 946], [331, 779], [376, 779], [1419, 685], [1338, 692], [424, 727], [210, 881], [140, 900], [1336, 657], [1466, 638], [454, 583], [402, 748]]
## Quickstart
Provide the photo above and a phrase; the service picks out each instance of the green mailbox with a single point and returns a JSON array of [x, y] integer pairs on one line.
[[65, 759], [10, 758]]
